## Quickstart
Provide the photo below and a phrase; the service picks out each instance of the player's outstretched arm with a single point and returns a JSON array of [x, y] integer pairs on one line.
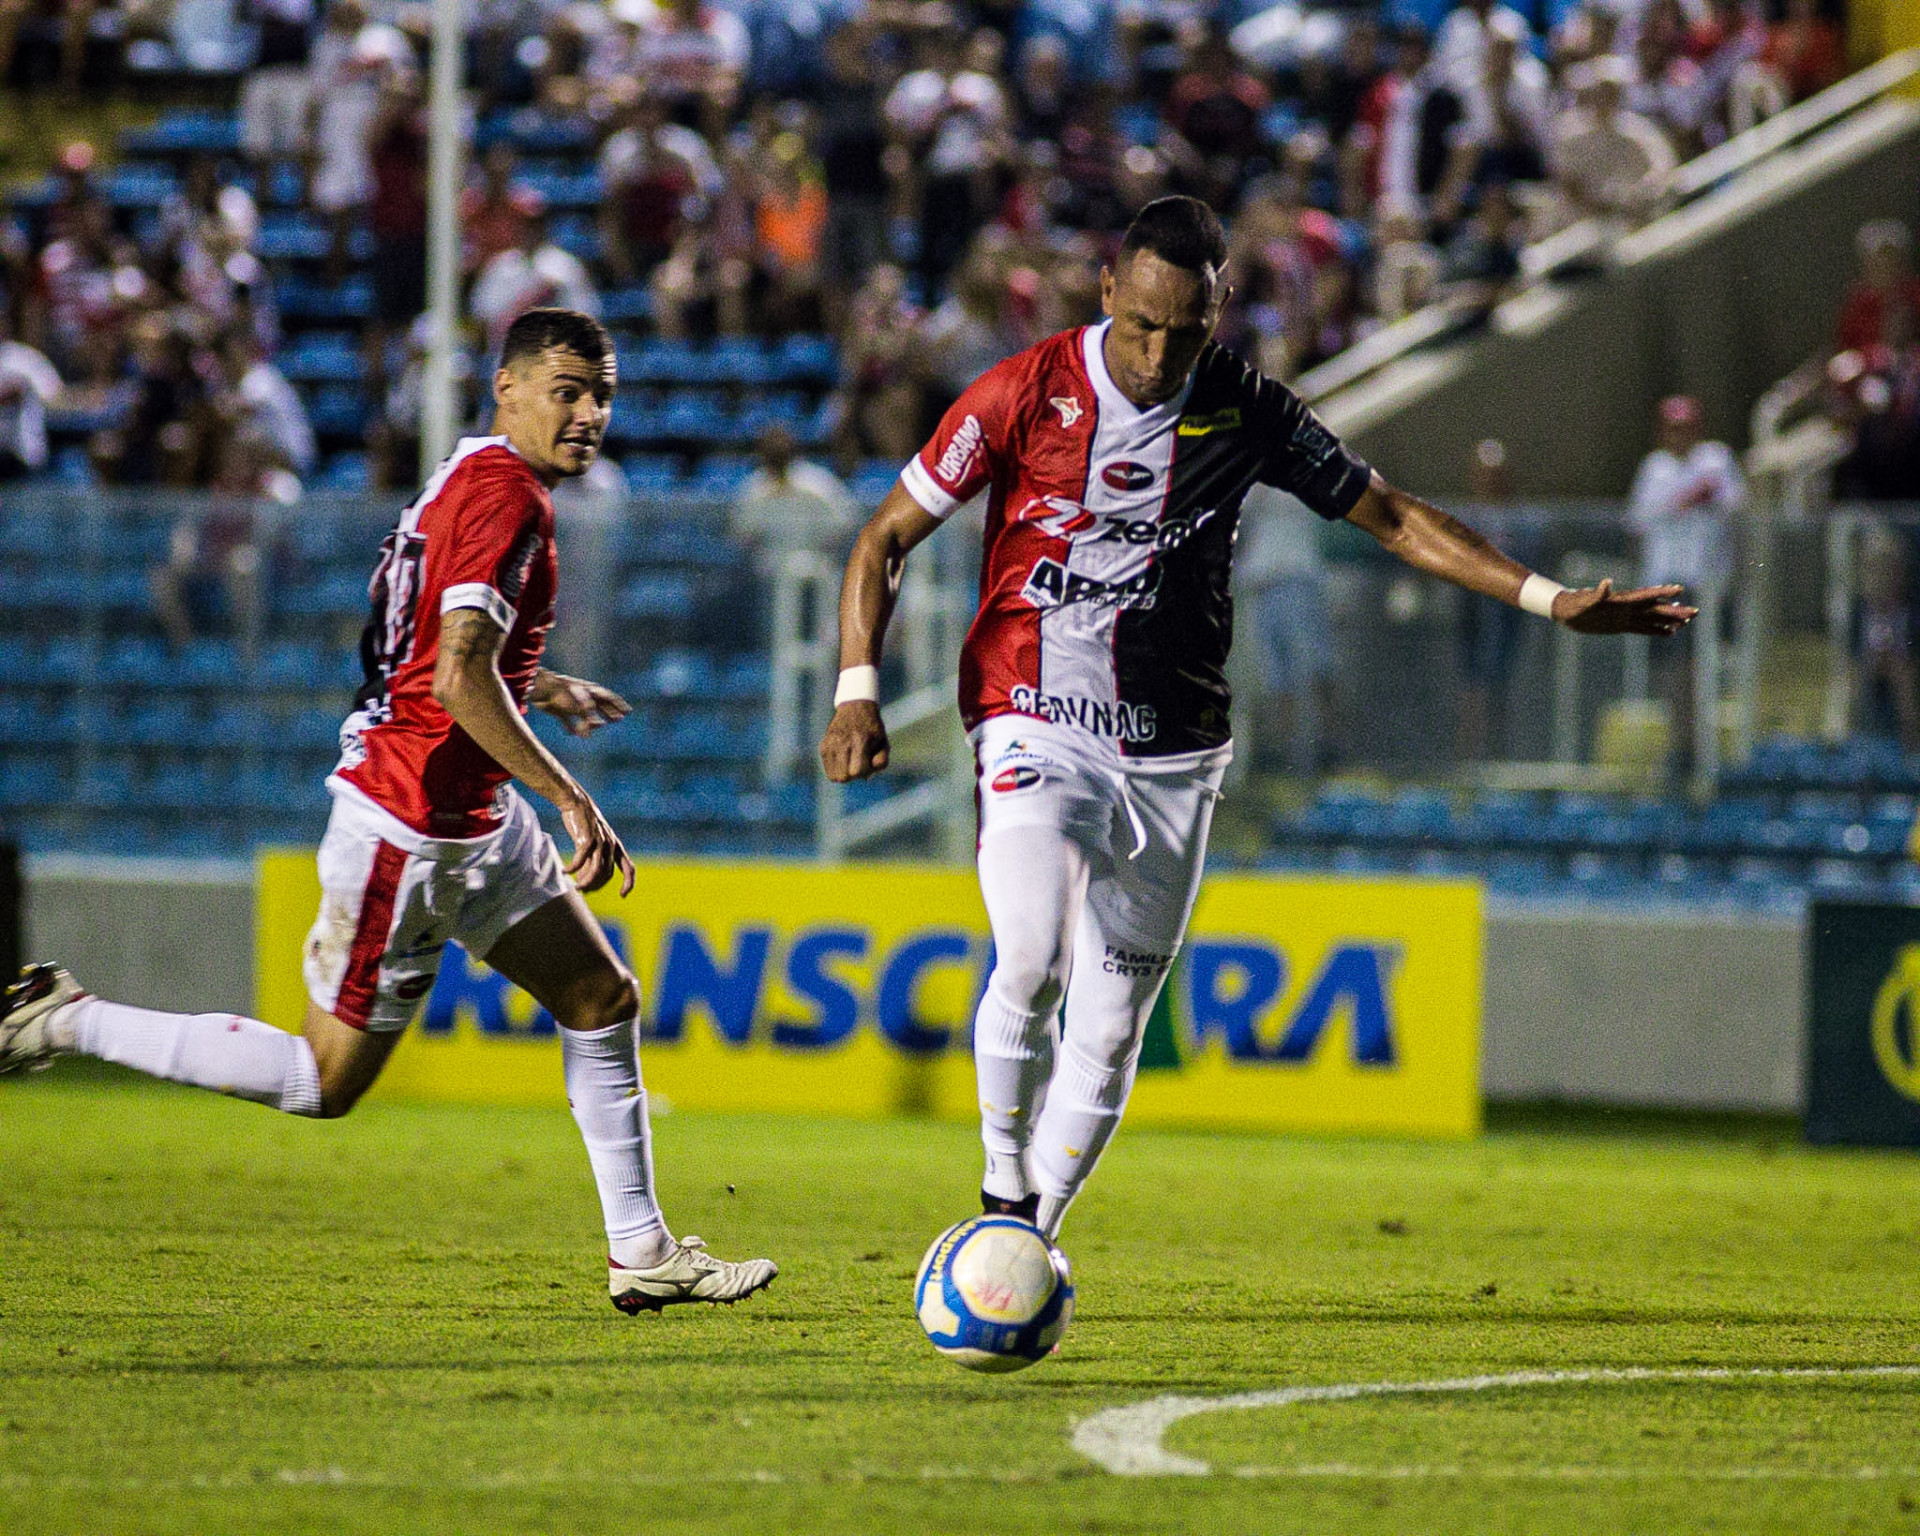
[[855, 746], [468, 686], [1430, 540], [581, 706]]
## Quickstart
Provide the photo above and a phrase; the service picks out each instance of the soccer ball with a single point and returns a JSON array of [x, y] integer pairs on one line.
[[993, 1294]]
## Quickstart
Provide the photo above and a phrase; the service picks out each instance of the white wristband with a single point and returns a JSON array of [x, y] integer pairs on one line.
[[1536, 595], [857, 683]]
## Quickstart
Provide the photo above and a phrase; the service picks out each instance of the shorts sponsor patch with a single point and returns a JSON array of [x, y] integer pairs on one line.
[[1008, 780]]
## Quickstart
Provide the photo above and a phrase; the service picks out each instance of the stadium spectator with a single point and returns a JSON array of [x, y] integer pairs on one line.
[[163, 438], [789, 230], [952, 116], [1482, 260], [348, 68], [970, 330], [655, 176], [1805, 51], [265, 407], [274, 100], [696, 56], [878, 402], [790, 503], [1889, 680], [850, 141], [1508, 124], [493, 210], [397, 211], [1608, 162], [1886, 295], [534, 274], [1682, 506], [1215, 110], [1280, 571], [29, 383], [1460, 46]]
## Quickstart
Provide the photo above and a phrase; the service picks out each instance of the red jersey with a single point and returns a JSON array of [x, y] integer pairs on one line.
[[1104, 592], [480, 535]]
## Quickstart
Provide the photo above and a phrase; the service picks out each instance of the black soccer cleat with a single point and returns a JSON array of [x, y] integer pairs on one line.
[[1027, 1207]]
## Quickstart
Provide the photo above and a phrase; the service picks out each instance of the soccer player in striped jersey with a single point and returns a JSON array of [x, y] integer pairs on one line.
[[1093, 679], [429, 840]]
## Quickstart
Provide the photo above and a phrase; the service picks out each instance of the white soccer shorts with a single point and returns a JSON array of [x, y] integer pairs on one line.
[[1142, 824], [391, 899]]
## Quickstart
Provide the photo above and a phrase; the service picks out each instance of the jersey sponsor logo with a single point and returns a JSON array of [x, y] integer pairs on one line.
[[1010, 779], [957, 461], [1060, 516], [1051, 585], [1127, 476], [1216, 421], [1146, 532], [1069, 408], [1102, 717]]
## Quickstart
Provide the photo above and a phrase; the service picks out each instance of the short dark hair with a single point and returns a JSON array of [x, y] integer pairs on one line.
[[539, 329], [1182, 231]]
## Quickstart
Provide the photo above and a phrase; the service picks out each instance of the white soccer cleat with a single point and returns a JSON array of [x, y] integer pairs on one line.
[[26, 1011], [689, 1273]]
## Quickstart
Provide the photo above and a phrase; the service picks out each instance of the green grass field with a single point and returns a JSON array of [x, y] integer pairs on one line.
[[217, 1319]]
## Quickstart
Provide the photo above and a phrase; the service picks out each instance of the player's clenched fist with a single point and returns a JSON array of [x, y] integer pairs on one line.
[[855, 746]]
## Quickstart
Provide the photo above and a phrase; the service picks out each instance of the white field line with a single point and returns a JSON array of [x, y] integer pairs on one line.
[[1127, 1440]]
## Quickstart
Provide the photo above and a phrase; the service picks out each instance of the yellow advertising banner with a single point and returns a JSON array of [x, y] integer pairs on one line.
[[1298, 1003]]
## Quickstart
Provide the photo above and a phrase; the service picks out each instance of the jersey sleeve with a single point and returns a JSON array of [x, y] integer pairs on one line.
[[489, 546], [959, 459], [1305, 458]]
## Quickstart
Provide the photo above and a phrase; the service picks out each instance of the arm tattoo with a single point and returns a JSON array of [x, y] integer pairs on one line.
[[468, 636]]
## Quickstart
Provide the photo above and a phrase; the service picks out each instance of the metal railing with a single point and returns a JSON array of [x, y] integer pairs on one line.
[[1589, 242]]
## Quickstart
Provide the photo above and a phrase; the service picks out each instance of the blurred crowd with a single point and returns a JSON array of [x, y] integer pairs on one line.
[[935, 182]]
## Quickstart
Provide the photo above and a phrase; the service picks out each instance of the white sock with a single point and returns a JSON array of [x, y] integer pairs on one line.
[[222, 1051], [1012, 1060], [1082, 1112], [610, 1107]]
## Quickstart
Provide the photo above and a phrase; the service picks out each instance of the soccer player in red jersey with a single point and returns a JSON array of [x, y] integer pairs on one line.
[[1093, 679], [429, 841]]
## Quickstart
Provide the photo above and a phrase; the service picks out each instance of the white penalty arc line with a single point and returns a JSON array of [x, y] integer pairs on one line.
[[1127, 1441]]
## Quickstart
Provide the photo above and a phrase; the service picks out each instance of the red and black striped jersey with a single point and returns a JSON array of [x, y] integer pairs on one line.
[[479, 535], [1105, 599]]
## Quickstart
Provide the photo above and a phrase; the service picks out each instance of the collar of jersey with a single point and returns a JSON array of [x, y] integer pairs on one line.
[[468, 445], [1092, 342]]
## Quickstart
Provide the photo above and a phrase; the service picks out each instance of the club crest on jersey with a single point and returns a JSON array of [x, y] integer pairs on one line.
[[1069, 408], [1011, 779], [961, 451], [1127, 476]]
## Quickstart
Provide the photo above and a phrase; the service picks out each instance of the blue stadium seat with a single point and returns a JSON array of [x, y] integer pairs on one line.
[[31, 781], [302, 300], [348, 470], [872, 480], [656, 595], [651, 474], [323, 357], [808, 359], [627, 306], [190, 131]]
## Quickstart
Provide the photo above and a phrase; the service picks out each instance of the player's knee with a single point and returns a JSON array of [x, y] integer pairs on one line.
[[1030, 978], [602, 1001], [338, 1094]]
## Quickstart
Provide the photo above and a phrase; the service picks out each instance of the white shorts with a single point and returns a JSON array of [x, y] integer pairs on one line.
[[390, 900], [1148, 814]]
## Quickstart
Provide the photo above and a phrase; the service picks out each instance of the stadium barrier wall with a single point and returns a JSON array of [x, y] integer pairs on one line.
[[1682, 1010], [1316, 1004]]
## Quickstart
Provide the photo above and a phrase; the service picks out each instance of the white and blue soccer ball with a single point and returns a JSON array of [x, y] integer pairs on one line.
[[993, 1294]]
